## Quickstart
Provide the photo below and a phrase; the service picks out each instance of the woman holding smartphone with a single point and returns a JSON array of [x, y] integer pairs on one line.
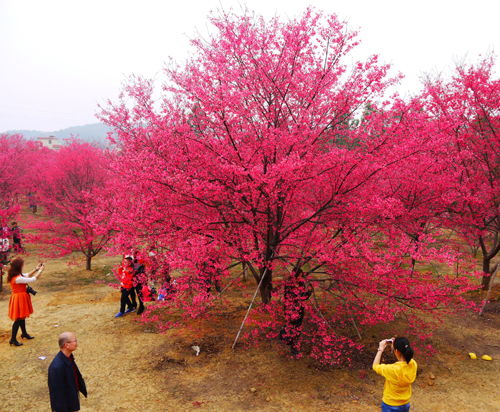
[[398, 376], [20, 301]]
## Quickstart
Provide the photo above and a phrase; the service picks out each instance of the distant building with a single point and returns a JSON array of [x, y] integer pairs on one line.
[[50, 142]]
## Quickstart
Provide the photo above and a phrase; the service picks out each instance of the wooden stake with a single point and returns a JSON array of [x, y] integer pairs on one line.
[[249, 308]]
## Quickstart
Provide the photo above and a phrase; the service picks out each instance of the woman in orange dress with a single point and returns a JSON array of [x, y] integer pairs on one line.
[[20, 301]]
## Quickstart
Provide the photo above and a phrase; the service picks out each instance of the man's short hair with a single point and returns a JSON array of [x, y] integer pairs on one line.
[[63, 338]]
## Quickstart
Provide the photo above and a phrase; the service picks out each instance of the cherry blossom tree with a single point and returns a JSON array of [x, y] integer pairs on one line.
[[16, 160], [254, 155], [467, 108], [69, 184]]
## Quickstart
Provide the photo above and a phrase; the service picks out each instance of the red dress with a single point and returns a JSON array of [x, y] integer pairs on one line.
[[20, 301]]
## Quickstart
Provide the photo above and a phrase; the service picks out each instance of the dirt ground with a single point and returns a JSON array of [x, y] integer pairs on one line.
[[129, 366]]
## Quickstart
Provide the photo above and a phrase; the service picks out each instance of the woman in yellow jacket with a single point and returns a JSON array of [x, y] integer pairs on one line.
[[398, 376]]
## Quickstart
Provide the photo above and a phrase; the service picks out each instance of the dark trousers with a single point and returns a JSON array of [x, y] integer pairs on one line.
[[125, 299], [137, 290], [17, 245]]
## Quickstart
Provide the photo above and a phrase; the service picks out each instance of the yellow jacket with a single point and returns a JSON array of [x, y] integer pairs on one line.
[[398, 379]]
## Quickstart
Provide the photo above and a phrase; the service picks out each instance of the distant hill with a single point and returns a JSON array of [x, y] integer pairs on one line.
[[95, 133]]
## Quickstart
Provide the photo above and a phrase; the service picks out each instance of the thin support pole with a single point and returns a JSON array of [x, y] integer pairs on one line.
[[249, 308], [355, 327]]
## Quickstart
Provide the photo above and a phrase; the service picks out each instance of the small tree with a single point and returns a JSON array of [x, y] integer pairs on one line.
[[16, 160], [69, 183]]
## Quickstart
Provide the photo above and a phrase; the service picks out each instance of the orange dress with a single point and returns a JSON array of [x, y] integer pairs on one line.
[[20, 301]]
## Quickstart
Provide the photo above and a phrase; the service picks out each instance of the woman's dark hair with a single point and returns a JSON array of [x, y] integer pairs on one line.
[[403, 345], [16, 267]]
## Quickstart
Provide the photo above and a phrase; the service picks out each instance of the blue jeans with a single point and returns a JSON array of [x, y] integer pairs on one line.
[[400, 408]]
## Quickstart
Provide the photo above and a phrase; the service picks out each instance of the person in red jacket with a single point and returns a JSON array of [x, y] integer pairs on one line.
[[125, 275]]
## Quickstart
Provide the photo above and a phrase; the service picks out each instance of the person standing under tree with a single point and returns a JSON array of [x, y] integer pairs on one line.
[[4, 243], [16, 237], [20, 306], [4, 258], [65, 380], [139, 282], [125, 275], [32, 202]]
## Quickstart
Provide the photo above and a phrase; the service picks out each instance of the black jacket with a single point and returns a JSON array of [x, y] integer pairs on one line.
[[62, 384]]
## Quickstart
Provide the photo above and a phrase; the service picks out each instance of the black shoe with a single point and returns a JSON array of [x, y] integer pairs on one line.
[[15, 342], [141, 309], [26, 336]]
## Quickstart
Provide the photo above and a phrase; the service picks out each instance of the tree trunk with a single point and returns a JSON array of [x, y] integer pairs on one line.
[[486, 273], [488, 256], [89, 262], [267, 285], [487, 297], [244, 273]]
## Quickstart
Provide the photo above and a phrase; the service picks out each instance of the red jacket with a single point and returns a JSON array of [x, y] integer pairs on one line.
[[126, 275]]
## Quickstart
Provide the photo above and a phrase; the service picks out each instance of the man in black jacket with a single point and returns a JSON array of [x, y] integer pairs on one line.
[[65, 380]]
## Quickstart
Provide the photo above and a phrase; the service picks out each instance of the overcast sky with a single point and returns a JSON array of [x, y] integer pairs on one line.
[[60, 58]]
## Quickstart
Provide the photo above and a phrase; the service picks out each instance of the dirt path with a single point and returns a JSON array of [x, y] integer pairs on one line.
[[128, 366]]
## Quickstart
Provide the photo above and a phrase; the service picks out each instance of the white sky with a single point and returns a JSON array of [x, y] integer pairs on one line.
[[59, 58]]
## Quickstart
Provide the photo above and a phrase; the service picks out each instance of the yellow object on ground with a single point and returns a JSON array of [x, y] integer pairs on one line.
[[472, 355], [486, 357]]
